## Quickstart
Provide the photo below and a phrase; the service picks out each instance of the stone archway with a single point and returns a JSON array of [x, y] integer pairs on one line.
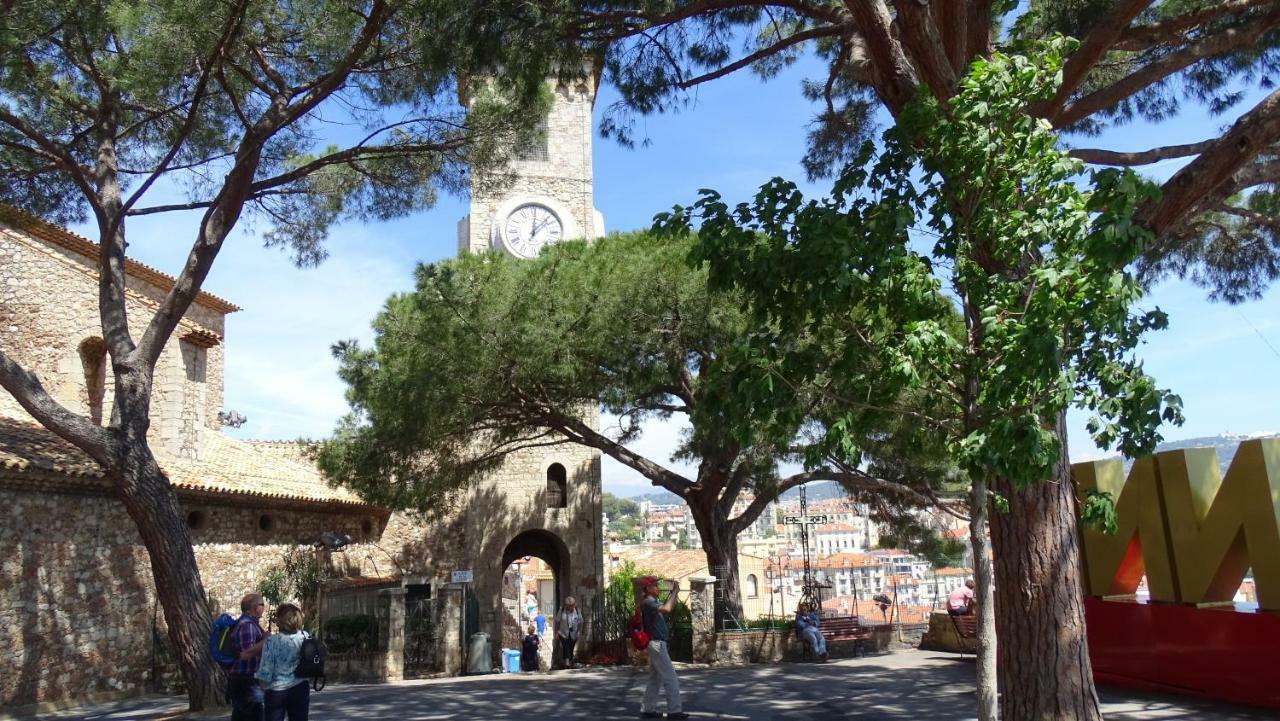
[[552, 550]]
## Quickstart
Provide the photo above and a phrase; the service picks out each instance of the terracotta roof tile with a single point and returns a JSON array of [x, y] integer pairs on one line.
[[227, 467]]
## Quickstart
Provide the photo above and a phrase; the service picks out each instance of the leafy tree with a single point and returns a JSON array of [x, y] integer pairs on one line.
[[616, 507], [1037, 267], [491, 354], [1214, 220], [105, 105]]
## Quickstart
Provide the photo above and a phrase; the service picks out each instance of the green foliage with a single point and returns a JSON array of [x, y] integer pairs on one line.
[[682, 541], [297, 577], [1099, 511], [193, 81], [357, 633], [620, 592], [1032, 259]]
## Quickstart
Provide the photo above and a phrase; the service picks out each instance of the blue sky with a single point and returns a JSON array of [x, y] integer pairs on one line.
[[736, 134]]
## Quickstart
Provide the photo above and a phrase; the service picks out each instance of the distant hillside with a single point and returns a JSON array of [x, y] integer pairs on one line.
[[817, 491], [662, 498], [1225, 444]]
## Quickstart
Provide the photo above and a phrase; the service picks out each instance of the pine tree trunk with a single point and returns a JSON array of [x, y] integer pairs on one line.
[[151, 502], [988, 689], [1044, 653], [721, 547]]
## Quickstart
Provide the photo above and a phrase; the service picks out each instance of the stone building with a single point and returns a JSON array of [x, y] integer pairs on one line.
[[78, 612]]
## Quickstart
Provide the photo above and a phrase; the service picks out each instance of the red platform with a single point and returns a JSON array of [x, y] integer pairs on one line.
[[1219, 653]]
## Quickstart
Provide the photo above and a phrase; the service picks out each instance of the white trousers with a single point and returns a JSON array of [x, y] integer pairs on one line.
[[661, 673]]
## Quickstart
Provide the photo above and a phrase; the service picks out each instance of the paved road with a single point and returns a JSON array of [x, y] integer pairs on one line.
[[908, 685]]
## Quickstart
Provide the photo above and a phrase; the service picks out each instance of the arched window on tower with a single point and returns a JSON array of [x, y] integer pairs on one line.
[[557, 487], [753, 586], [93, 360]]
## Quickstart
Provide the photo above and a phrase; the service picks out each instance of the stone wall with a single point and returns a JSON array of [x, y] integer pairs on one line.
[[49, 308], [77, 603]]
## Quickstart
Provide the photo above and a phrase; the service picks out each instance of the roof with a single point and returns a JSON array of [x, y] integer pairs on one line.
[[668, 564], [835, 528], [227, 468], [953, 571], [63, 238]]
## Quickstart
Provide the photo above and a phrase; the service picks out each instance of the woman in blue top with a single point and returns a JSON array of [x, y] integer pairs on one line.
[[287, 695]]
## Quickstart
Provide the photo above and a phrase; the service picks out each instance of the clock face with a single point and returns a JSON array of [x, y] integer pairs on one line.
[[529, 228]]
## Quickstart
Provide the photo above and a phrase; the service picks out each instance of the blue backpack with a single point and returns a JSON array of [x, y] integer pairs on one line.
[[222, 640]]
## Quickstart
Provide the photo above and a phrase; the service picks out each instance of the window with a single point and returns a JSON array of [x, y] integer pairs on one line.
[[195, 520], [266, 522], [753, 586], [557, 487]]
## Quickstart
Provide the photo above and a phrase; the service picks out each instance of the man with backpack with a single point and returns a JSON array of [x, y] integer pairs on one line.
[[661, 672], [243, 691]]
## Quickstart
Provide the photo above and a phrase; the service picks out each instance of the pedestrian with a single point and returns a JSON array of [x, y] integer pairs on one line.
[[243, 692], [568, 625], [529, 650], [661, 672], [541, 622], [286, 694], [808, 628], [530, 604], [960, 602]]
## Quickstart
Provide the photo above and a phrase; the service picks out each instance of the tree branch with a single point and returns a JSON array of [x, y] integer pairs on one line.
[[225, 211], [1163, 32], [1198, 182], [1152, 73], [1100, 38], [796, 39], [920, 37], [894, 78], [229, 30], [1098, 156], [585, 435], [26, 388]]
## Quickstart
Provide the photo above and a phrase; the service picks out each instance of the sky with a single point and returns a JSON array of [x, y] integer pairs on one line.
[[736, 134]]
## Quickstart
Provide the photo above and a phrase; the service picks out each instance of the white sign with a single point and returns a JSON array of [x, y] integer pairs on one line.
[[813, 520], [461, 576]]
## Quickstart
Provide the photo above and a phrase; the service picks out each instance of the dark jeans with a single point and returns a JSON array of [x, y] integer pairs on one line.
[[566, 649], [246, 698], [294, 702]]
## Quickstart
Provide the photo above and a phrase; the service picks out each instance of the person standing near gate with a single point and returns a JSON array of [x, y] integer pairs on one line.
[[568, 624], [661, 672]]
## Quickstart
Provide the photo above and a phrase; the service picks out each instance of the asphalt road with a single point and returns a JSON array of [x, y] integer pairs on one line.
[[905, 685]]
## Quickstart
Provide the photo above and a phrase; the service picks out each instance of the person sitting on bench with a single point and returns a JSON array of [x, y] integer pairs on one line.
[[960, 601], [807, 628]]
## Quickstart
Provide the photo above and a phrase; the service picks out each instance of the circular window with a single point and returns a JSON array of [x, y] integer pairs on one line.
[[195, 520], [266, 522]]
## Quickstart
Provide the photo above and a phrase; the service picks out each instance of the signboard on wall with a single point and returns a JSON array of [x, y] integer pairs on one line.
[[461, 576]]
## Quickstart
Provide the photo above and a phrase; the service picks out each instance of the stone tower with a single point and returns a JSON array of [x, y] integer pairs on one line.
[[549, 197], [543, 502]]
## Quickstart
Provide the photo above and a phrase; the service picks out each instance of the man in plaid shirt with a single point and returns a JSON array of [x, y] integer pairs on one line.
[[243, 691]]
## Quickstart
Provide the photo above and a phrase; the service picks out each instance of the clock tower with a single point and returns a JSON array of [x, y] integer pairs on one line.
[[549, 197]]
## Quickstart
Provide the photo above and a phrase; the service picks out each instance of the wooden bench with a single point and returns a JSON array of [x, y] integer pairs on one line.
[[843, 628], [966, 629]]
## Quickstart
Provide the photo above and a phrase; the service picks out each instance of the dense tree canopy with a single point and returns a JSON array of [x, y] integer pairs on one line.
[[1137, 60], [490, 354]]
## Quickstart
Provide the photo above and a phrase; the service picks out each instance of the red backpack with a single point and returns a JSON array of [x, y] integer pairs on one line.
[[635, 630]]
